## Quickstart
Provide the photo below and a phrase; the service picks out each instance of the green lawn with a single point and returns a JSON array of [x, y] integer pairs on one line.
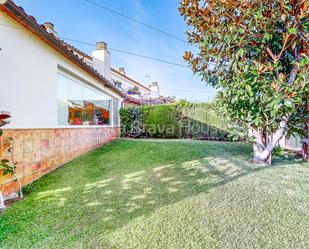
[[164, 194]]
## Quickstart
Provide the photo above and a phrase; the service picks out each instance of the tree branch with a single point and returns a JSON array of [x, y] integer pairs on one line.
[[295, 68], [271, 54], [283, 48], [276, 137]]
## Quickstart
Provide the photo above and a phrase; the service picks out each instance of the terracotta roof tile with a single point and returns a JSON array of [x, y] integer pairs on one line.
[[29, 22], [73, 53], [128, 78]]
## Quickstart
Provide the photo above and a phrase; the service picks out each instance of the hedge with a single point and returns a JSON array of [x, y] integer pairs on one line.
[[177, 120]]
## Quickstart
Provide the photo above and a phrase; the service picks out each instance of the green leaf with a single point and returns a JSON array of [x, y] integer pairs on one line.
[[267, 36], [288, 103], [304, 61], [292, 31], [276, 103], [241, 31]]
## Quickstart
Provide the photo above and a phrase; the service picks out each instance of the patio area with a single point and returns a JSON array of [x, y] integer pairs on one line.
[[164, 194]]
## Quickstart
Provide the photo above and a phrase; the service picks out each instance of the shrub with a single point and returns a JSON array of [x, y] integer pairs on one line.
[[161, 121], [180, 120], [132, 123]]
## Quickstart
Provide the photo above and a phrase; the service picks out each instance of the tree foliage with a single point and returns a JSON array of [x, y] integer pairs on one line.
[[255, 52]]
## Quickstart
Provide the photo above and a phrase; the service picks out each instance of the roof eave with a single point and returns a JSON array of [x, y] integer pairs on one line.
[[31, 25], [128, 78]]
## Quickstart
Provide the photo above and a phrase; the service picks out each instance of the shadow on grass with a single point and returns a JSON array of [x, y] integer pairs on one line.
[[108, 188], [112, 202]]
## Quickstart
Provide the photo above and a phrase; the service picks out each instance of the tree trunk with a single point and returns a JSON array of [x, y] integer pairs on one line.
[[262, 148], [259, 156]]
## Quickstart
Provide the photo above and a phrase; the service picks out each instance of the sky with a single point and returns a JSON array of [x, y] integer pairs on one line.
[[82, 21]]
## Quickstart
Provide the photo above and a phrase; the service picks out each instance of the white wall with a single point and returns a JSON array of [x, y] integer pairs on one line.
[[154, 90], [127, 84], [28, 77], [101, 61]]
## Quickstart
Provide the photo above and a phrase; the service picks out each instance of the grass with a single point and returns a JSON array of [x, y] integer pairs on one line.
[[164, 194]]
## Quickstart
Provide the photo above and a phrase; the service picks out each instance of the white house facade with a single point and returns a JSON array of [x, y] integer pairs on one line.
[[61, 104], [33, 78], [124, 82]]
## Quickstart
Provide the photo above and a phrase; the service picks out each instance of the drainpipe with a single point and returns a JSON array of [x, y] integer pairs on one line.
[[124, 100]]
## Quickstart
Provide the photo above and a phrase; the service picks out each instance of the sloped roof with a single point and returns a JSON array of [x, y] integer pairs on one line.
[[150, 101], [73, 54], [130, 79]]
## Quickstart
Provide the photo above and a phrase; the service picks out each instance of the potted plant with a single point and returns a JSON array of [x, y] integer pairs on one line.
[[85, 118]]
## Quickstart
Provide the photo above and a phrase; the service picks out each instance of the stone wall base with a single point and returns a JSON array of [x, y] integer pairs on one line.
[[40, 151]]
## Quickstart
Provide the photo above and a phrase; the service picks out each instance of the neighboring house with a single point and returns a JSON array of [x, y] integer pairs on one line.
[[125, 83], [136, 93], [101, 60], [62, 101]]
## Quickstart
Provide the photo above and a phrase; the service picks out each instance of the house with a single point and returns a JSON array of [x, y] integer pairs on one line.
[[62, 101], [128, 85], [135, 92]]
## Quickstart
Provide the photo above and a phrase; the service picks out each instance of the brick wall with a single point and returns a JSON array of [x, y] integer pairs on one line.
[[40, 151]]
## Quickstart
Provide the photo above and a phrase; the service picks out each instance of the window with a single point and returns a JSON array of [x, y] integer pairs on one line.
[[81, 105], [117, 83]]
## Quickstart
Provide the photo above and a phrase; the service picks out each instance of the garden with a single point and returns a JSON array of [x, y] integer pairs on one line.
[[164, 194], [192, 175], [177, 120]]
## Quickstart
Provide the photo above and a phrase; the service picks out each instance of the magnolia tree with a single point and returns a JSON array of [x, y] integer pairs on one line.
[[255, 52]]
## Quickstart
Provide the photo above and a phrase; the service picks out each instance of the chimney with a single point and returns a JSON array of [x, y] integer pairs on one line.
[[50, 28], [101, 46], [101, 60], [122, 71], [3, 1], [154, 87]]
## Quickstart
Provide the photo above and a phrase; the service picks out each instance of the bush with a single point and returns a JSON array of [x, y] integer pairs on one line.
[[161, 121], [180, 120], [132, 122]]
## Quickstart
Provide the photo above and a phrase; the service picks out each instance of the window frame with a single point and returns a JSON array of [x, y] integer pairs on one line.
[[79, 80]]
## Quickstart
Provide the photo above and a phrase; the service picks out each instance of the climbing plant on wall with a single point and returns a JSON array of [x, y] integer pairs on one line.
[[7, 165]]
